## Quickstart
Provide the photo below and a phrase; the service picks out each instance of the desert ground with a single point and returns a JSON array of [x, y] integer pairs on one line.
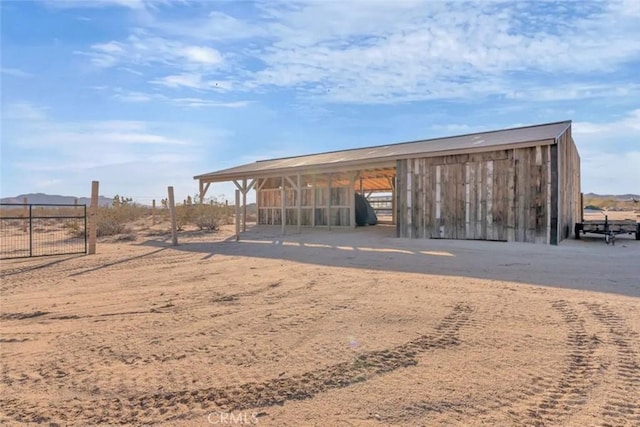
[[339, 328]]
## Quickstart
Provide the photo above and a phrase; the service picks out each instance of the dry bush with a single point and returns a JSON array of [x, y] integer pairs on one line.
[[75, 228], [204, 216], [114, 220]]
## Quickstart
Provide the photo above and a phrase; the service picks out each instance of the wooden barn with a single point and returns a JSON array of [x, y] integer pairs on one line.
[[520, 184]]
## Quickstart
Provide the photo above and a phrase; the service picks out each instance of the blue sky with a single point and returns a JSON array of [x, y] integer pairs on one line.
[[144, 94]]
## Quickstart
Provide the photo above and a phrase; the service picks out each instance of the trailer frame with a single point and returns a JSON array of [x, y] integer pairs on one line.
[[610, 229]]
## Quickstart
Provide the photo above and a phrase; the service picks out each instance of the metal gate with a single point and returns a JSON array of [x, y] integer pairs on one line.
[[29, 230]]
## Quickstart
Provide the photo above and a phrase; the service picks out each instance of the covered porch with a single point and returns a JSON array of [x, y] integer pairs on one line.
[[310, 198]]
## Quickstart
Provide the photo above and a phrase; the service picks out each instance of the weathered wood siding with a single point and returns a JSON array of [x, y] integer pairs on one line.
[[500, 195], [568, 185], [323, 204]]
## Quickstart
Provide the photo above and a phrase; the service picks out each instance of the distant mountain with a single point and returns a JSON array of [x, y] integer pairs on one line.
[[621, 197], [619, 202], [41, 198]]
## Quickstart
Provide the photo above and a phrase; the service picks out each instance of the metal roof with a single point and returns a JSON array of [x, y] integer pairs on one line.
[[385, 154]]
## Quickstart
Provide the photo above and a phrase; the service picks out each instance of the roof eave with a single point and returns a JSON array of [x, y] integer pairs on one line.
[[372, 162]]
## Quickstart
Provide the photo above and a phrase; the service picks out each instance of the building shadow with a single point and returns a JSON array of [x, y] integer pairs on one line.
[[587, 264]]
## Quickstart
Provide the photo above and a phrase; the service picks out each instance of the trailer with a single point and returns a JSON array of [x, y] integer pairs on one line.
[[610, 229]]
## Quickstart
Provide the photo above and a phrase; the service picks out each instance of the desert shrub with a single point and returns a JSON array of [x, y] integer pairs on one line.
[[113, 220], [209, 216], [75, 228], [110, 222]]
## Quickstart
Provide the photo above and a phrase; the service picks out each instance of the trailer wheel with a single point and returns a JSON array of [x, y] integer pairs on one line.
[[576, 230]]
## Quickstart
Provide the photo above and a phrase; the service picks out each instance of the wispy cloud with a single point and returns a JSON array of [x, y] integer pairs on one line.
[[126, 155], [87, 4], [23, 111], [424, 50], [187, 102], [15, 72], [193, 81], [607, 162], [143, 50], [391, 52]]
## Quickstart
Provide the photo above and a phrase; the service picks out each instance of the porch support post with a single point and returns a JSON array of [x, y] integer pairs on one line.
[[299, 205], [352, 199], [329, 203], [283, 216], [313, 201], [244, 204]]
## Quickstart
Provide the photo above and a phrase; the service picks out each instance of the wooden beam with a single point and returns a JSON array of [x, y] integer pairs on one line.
[[262, 184], [257, 182], [244, 205], [299, 202], [204, 187], [238, 186], [393, 202], [251, 185], [329, 203], [352, 201], [313, 201], [553, 237], [397, 198], [237, 221], [283, 216], [392, 182], [293, 184]]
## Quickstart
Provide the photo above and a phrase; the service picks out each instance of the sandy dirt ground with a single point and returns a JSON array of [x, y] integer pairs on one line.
[[341, 328]]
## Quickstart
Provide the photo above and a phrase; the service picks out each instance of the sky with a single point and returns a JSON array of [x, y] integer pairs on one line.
[[140, 95]]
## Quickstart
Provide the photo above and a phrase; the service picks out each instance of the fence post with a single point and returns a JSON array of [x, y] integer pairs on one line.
[[153, 212], [172, 214], [93, 217]]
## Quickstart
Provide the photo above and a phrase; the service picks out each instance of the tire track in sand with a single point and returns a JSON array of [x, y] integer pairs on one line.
[[168, 406], [621, 407], [570, 393]]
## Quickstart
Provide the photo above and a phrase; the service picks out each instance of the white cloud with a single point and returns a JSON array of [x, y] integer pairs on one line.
[[204, 55], [86, 4], [406, 51], [193, 81], [391, 52], [203, 103], [184, 102], [22, 111], [190, 80], [628, 125], [111, 47], [136, 158], [215, 26], [15, 72], [609, 165], [574, 91], [143, 50]]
